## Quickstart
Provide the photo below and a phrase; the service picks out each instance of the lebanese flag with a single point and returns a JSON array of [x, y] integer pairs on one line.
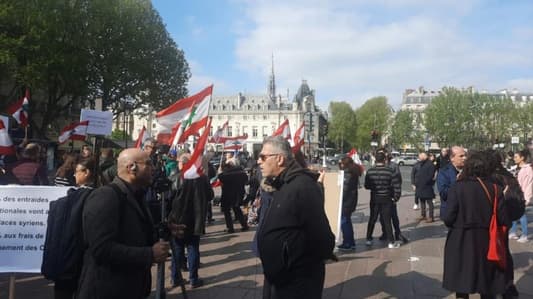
[[234, 143], [219, 133], [193, 168], [6, 145], [142, 137], [283, 130], [176, 112], [195, 120], [175, 135], [74, 131], [19, 109], [298, 138]]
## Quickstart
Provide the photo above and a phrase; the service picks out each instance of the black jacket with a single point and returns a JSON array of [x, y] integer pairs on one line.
[[349, 193], [424, 182], [383, 184], [233, 180], [189, 207], [119, 234], [295, 237]]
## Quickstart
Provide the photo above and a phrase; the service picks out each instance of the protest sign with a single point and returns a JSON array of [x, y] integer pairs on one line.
[[100, 122], [23, 217], [333, 183]]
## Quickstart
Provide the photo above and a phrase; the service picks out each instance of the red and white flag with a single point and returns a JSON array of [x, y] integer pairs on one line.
[[283, 130], [19, 109], [142, 137], [193, 168], [219, 133], [233, 143], [74, 131], [195, 120], [176, 112], [6, 145], [298, 138]]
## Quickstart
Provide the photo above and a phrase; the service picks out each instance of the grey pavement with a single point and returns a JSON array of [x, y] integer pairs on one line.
[[414, 270]]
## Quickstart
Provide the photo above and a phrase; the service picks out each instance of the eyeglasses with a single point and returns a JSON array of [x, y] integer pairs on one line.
[[80, 170], [263, 157]]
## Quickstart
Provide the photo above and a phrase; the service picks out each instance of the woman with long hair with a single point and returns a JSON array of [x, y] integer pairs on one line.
[[349, 201], [470, 208], [65, 172]]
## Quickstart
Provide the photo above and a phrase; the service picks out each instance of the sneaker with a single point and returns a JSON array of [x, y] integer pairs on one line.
[[513, 236], [345, 247], [368, 243], [522, 239], [415, 207], [394, 245], [404, 239]]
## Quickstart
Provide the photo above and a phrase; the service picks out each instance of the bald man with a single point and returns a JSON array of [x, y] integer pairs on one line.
[[118, 230], [448, 175]]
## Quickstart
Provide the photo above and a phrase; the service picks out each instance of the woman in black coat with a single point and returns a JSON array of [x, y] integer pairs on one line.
[[466, 268], [424, 187]]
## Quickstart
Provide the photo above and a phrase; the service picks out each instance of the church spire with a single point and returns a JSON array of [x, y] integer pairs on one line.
[[272, 83]]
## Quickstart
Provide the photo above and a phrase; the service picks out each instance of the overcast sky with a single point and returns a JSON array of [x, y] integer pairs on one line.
[[353, 50]]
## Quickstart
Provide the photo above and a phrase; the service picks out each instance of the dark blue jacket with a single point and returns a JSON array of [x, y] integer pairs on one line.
[[445, 180]]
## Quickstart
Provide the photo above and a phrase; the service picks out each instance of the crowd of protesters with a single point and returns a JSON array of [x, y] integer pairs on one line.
[[286, 199]]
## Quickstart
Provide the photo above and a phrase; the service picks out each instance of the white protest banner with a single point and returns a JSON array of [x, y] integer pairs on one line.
[[23, 217], [100, 122]]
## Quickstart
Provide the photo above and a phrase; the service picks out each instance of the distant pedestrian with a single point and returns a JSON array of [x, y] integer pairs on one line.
[[294, 238], [443, 159], [86, 152], [385, 188], [525, 180], [448, 175], [349, 201], [233, 179], [414, 177], [424, 187]]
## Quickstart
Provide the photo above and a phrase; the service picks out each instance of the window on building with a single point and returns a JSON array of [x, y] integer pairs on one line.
[[214, 107], [154, 125], [220, 117], [229, 131], [245, 117], [253, 117], [265, 117], [265, 131], [211, 131], [244, 130], [254, 131]]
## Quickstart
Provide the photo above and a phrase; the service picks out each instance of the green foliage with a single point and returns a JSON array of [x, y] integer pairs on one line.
[[473, 120], [373, 115], [119, 135], [70, 52], [403, 131], [343, 124]]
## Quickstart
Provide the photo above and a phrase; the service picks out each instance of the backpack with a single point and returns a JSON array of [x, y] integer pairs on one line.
[[64, 246]]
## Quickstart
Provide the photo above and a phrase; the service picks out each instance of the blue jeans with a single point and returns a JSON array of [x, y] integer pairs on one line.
[[193, 256], [347, 230], [523, 224]]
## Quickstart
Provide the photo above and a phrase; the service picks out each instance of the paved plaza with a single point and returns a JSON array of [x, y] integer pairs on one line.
[[230, 270]]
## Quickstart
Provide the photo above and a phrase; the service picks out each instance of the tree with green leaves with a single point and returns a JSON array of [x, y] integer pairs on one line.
[[69, 53], [402, 131], [373, 115], [343, 124]]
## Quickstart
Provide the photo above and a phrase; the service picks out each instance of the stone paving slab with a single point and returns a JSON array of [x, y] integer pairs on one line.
[[230, 270]]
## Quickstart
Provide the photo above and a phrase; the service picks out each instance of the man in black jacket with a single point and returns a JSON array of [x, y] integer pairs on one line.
[[385, 188], [118, 231], [294, 238], [233, 179]]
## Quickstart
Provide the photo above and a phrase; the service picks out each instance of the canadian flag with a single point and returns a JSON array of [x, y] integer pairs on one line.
[[19, 109], [74, 131], [6, 145], [193, 168], [283, 130], [142, 137], [298, 138]]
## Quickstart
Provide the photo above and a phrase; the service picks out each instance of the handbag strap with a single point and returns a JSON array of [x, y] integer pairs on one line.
[[485, 189]]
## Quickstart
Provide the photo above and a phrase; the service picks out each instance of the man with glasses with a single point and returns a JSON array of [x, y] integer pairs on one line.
[[294, 238], [118, 231]]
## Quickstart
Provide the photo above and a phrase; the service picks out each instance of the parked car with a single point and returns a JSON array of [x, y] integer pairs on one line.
[[406, 160], [335, 159]]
